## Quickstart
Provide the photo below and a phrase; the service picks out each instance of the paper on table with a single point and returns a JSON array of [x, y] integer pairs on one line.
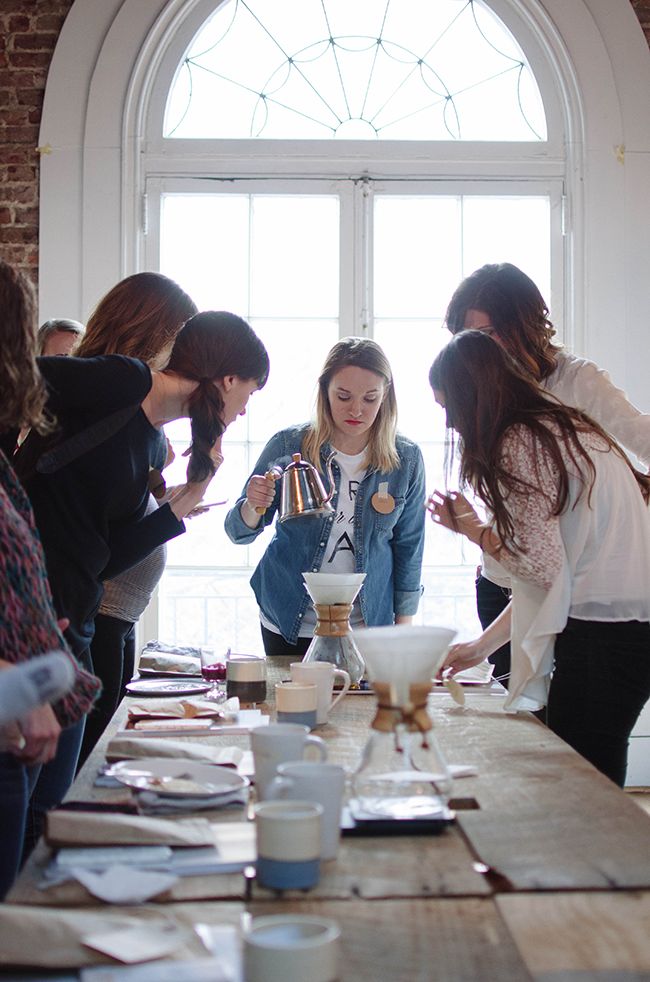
[[96, 857], [140, 943], [225, 967], [124, 885], [68, 828], [234, 849]]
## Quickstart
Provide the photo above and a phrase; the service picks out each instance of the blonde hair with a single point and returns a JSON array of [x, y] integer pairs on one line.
[[381, 452]]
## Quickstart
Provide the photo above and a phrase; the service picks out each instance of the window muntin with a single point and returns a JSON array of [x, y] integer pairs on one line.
[[372, 69], [413, 244]]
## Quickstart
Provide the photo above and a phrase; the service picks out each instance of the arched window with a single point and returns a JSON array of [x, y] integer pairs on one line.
[[419, 144], [365, 227], [377, 70]]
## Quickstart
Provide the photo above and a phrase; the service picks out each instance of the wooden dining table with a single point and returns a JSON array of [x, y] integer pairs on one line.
[[544, 874]]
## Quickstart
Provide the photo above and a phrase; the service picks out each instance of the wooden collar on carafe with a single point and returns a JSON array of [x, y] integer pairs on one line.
[[412, 714], [333, 620]]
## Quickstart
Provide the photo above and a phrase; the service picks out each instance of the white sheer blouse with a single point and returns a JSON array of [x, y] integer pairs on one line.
[[592, 562]]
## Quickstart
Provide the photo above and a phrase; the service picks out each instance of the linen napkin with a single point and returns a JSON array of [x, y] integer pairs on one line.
[[71, 828], [185, 708], [150, 803], [68, 938], [155, 661], [134, 748]]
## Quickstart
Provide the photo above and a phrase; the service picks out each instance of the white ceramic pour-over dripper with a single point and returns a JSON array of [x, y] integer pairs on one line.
[[333, 588], [402, 655]]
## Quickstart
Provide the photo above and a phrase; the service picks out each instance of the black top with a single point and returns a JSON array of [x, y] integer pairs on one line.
[[91, 512]]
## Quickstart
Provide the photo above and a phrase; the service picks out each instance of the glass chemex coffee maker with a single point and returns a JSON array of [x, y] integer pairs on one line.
[[333, 595], [402, 773]]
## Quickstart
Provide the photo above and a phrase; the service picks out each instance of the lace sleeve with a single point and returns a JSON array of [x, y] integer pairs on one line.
[[539, 550]]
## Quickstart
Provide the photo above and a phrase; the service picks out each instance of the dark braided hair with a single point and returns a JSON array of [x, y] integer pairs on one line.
[[211, 346]]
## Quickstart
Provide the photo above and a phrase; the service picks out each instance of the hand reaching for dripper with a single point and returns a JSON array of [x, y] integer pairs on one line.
[[453, 511]]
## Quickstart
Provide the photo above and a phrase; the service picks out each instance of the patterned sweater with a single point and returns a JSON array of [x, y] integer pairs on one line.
[[27, 620]]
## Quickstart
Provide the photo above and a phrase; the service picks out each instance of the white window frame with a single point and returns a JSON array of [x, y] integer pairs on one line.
[[355, 296], [356, 238]]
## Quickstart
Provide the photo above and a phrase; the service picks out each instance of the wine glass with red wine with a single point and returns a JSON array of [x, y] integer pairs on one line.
[[213, 670]]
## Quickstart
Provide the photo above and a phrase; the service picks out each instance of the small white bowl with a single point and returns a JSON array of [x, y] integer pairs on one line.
[[292, 948]]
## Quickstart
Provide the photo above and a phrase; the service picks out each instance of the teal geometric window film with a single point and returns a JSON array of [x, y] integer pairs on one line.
[[355, 69]]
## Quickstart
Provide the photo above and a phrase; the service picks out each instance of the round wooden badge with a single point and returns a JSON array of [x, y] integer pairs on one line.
[[383, 503]]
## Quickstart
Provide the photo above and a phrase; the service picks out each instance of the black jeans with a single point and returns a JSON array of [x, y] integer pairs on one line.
[[600, 684], [113, 657], [491, 599], [274, 645]]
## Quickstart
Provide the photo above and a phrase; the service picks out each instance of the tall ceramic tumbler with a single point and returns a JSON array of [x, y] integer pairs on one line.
[[288, 844]]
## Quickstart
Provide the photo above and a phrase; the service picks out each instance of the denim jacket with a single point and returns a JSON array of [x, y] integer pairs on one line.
[[388, 548]]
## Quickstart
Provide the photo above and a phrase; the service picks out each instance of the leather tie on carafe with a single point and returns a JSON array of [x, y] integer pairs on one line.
[[413, 714], [332, 620]]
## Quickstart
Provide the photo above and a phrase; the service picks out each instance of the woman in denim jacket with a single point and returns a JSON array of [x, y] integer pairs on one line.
[[378, 521]]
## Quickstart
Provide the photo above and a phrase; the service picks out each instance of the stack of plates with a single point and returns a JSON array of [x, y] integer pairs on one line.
[[179, 778], [166, 687]]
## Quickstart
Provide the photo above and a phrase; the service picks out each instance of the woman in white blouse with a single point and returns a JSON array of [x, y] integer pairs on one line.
[[570, 525], [502, 301]]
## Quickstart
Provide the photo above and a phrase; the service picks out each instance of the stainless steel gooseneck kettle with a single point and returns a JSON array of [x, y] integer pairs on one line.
[[302, 491]]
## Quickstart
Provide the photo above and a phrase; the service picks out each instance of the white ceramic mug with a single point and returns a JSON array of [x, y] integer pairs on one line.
[[321, 674], [246, 678], [276, 743], [292, 948], [288, 844], [321, 783]]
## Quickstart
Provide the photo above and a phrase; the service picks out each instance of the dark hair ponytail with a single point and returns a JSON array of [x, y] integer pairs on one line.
[[211, 346]]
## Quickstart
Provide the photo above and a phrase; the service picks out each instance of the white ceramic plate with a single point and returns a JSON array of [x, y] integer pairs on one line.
[[178, 778], [166, 687], [161, 673]]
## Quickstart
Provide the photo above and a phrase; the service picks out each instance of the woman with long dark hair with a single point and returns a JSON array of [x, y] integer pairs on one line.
[[569, 521], [500, 300], [90, 491], [356, 419]]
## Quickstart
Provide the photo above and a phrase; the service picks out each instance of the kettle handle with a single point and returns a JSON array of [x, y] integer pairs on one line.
[[330, 476], [272, 477]]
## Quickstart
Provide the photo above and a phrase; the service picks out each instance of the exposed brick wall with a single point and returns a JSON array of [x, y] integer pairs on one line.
[[28, 33], [642, 10]]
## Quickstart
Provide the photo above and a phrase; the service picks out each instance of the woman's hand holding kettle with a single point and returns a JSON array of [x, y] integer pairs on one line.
[[260, 492]]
